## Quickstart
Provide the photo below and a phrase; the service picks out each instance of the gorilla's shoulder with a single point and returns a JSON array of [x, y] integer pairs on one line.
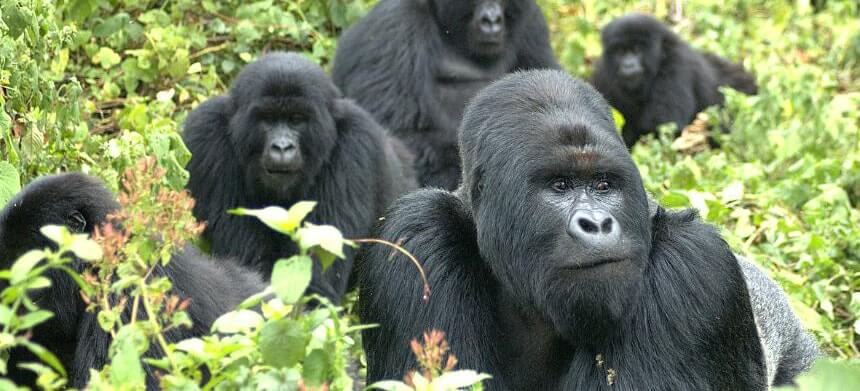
[[430, 209], [431, 222], [685, 234]]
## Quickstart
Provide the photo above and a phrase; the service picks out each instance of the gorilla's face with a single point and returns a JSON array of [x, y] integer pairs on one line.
[[561, 212], [633, 49], [480, 28], [285, 131]]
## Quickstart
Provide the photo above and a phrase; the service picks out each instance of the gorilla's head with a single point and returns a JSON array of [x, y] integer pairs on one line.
[[282, 128], [559, 206], [480, 29], [633, 49], [75, 200]]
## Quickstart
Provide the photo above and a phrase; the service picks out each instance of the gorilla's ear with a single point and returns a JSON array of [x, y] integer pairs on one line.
[[653, 207], [76, 222]]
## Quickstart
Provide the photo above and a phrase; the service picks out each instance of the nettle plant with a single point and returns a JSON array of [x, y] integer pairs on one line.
[[274, 338]]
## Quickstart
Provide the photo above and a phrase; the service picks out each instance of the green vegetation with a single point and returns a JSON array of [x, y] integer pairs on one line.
[[96, 85]]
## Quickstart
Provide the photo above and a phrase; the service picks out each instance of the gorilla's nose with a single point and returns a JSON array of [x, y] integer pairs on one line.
[[283, 153], [595, 227], [492, 19]]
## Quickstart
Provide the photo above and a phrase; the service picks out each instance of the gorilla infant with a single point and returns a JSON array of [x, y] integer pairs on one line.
[[653, 77], [414, 64], [82, 203], [281, 135], [550, 270]]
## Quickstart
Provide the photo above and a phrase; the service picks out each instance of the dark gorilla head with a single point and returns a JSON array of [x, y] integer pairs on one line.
[[557, 200], [633, 49], [478, 28], [282, 129], [75, 200]]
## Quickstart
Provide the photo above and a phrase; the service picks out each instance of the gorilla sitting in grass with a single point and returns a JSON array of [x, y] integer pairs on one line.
[[653, 77], [550, 270]]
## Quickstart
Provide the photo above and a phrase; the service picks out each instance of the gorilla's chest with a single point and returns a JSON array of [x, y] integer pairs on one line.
[[458, 80]]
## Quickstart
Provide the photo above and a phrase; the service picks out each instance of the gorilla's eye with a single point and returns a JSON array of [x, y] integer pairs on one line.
[[602, 186], [559, 185], [76, 222], [296, 118]]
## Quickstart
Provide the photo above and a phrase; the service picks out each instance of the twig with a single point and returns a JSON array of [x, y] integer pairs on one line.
[[426, 293]]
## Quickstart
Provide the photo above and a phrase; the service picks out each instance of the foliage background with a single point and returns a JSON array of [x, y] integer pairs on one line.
[[94, 85]]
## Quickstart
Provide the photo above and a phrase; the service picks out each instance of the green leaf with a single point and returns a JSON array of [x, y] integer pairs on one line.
[[10, 182], [43, 354], [33, 319], [106, 57], [278, 218], [237, 321], [315, 368], [126, 367], [389, 385], [291, 277], [81, 9], [24, 264], [325, 236], [57, 234], [85, 248], [458, 379], [282, 343]]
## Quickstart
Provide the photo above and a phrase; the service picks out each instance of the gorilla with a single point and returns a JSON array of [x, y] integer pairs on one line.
[[550, 269], [653, 77], [414, 64], [82, 203], [283, 134]]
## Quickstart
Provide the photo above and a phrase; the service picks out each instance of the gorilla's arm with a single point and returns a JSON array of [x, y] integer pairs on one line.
[[437, 229], [533, 49], [213, 161], [389, 78], [788, 348]]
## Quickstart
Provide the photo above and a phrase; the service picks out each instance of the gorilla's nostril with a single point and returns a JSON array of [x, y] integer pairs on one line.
[[587, 226], [606, 227]]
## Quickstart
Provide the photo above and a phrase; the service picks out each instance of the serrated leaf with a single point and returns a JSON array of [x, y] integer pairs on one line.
[[10, 182], [291, 277], [282, 343], [126, 367], [237, 321]]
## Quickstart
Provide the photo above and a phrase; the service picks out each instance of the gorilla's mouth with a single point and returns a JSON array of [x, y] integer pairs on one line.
[[592, 263]]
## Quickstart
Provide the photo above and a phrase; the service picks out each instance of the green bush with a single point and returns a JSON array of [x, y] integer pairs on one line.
[[96, 85]]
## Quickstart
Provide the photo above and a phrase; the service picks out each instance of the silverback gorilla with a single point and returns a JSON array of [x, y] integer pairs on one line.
[[550, 270], [414, 64], [653, 77], [82, 203], [284, 134]]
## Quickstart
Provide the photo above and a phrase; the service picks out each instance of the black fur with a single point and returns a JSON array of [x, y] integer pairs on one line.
[[414, 65], [676, 81], [348, 164], [518, 294], [73, 334]]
